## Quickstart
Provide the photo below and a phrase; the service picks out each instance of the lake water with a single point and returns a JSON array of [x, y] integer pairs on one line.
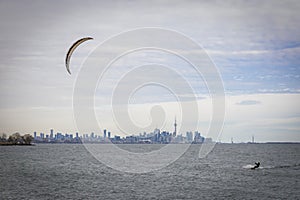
[[69, 171]]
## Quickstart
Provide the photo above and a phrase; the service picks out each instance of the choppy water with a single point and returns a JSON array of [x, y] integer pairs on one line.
[[68, 171]]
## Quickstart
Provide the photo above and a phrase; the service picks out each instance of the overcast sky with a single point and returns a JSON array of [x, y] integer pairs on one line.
[[254, 44]]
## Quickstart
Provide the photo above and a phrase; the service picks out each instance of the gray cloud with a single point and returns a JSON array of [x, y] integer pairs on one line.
[[254, 44], [248, 102]]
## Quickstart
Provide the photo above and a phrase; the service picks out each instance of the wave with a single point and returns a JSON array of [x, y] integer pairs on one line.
[[272, 167], [248, 166], [287, 166]]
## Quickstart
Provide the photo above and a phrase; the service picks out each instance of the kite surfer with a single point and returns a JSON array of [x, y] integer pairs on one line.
[[257, 164]]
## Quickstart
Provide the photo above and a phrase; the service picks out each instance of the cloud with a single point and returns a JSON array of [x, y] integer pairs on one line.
[[254, 44], [248, 102]]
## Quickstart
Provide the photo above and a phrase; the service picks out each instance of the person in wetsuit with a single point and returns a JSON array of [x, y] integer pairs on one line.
[[257, 164]]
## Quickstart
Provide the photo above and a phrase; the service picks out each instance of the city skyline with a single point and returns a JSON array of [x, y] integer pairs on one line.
[[107, 134], [157, 136]]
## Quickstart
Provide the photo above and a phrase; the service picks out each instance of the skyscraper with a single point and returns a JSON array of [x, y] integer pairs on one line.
[[189, 136], [104, 133], [175, 128], [51, 133]]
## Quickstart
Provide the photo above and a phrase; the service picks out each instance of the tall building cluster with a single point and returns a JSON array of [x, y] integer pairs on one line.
[[156, 137]]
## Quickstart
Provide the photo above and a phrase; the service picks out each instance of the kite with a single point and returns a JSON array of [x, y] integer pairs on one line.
[[72, 49]]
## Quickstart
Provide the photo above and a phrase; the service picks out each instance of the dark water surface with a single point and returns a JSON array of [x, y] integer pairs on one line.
[[69, 171]]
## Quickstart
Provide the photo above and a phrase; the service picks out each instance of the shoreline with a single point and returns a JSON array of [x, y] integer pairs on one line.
[[13, 144], [34, 144]]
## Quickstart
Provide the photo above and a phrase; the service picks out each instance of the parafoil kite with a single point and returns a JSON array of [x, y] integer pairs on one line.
[[72, 49]]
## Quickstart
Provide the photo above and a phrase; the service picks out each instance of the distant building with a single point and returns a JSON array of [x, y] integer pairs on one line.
[[104, 133], [198, 138], [175, 128], [189, 136], [117, 139], [59, 136], [131, 139], [51, 134]]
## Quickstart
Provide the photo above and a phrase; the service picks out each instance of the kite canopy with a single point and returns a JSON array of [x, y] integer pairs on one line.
[[72, 49]]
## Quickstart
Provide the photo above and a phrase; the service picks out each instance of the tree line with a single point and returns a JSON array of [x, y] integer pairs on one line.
[[16, 139]]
